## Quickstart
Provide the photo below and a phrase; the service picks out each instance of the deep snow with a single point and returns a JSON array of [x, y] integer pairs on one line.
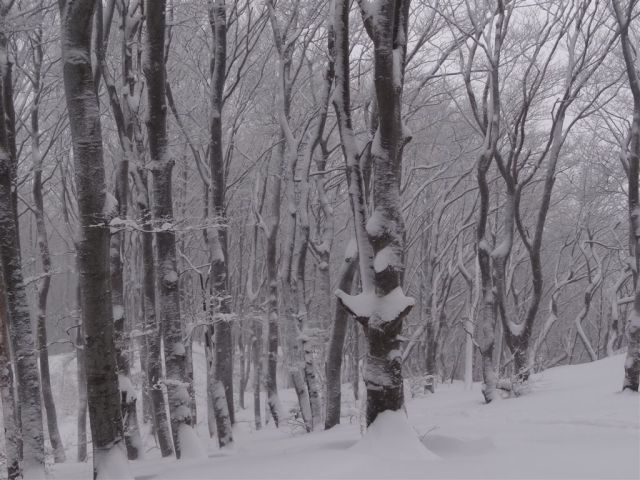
[[574, 423]]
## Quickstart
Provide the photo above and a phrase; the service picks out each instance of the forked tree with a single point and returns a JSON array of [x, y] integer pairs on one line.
[[382, 305]]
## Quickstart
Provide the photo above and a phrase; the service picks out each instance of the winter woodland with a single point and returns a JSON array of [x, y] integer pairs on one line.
[[319, 239]]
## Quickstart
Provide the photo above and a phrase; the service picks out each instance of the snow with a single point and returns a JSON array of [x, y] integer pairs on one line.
[[125, 386], [352, 249], [391, 437], [113, 464], [190, 445], [573, 423], [375, 224], [387, 307], [110, 207], [397, 67], [118, 312], [171, 276], [385, 258]]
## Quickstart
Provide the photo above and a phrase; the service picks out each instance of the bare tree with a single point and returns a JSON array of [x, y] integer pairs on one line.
[[631, 163], [93, 246], [20, 330], [161, 166], [382, 305]]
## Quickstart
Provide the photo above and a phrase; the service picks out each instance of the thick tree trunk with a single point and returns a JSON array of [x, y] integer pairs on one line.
[[382, 305], [632, 167], [7, 392], [161, 166], [93, 246], [336, 344], [21, 334]]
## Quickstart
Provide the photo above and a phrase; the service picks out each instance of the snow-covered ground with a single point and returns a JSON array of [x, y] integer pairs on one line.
[[573, 423]]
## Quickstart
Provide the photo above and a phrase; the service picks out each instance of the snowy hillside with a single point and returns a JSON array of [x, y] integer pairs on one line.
[[573, 424]]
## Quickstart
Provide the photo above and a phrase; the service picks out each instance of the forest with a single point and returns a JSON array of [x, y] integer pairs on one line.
[[226, 223]]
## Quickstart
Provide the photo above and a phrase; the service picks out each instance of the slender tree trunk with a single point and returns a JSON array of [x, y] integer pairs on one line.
[[93, 247], [21, 334], [336, 344], [256, 358], [161, 166], [152, 329], [81, 373], [45, 257], [218, 252], [273, 399]]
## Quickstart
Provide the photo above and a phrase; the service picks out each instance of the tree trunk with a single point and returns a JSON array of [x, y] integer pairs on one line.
[[153, 333], [21, 334], [632, 167], [273, 399], [256, 358], [45, 257], [7, 392], [93, 247], [218, 252], [161, 166], [336, 344], [381, 250]]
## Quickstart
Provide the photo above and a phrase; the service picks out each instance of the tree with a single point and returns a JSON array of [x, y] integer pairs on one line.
[[382, 305], [20, 330], [631, 164], [219, 333], [161, 166], [93, 246]]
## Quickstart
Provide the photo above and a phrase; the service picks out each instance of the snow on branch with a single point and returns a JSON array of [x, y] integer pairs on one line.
[[367, 304]]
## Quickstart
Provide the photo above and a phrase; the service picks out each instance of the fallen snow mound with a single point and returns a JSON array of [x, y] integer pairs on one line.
[[392, 437]]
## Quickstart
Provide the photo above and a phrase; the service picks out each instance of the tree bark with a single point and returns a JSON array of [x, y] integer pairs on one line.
[[381, 250], [93, 246], [632, 167], [222, 371], [161, 166], [7, 392], [21, 333], [45, 256], [336, 344]]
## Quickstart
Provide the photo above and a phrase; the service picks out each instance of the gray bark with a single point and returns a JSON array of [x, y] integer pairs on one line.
[[93, 246], [21, 333], [161, 166], [7, 392]]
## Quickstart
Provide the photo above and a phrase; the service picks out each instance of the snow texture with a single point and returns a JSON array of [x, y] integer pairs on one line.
[[387, 308], [375, 224], [190, 445], [392, 437], [110, 208], [118, 312], [352, 249], [112, 464], [385, 258], [125, 386], [573, 424]]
